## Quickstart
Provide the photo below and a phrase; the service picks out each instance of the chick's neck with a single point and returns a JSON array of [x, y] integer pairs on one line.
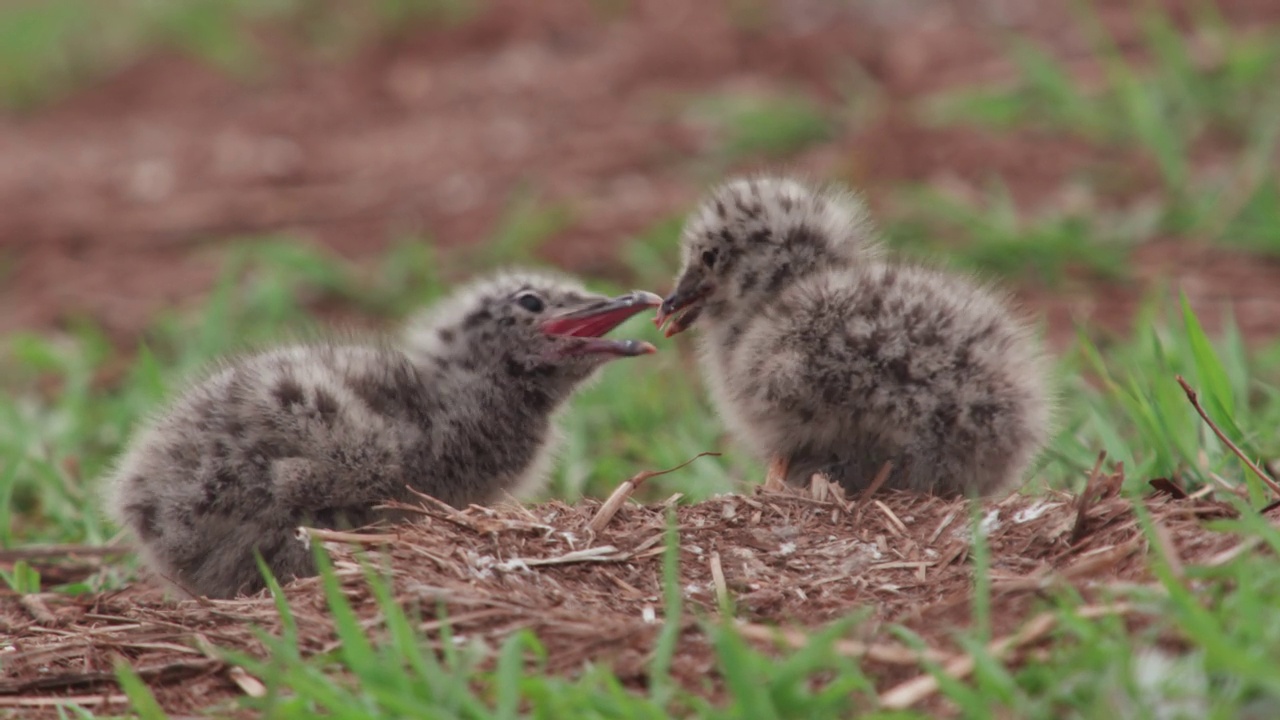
[[503, 383]]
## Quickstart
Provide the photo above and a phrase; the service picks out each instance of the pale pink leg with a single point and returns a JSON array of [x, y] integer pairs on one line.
[[775, 478]]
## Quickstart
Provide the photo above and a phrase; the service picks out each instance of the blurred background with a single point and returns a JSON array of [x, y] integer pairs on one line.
[[182, 178]]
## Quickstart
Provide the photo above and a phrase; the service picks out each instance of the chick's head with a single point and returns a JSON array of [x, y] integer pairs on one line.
[[534, 325], [750, 238]]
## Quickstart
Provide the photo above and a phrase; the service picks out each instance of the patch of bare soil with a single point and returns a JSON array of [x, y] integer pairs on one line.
[[1220, 284], [112, 200], [789, 561]]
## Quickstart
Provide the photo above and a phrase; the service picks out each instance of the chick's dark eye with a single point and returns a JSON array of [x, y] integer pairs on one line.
[[531, 302], [709, 258]]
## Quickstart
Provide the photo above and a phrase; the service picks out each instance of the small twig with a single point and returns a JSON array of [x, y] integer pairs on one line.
[[65, 700], [443, 510], [888, 654], [895, 525], [900, 564], [792, 494], [1233, 552], [165, 671], [1205, 492], [937, 532], [1086, 497], [880, 479], [1101, 559], [602, 553], [35, 607], [1088, 565], [1195, 402], [82, 632], [1238, 489], [461, 619], [251, 685], [325, 535], [1168, 487], [186, 592], [819, 487], [717, 577], [43, 552], [624, 491], [906, 694], [132, 645]]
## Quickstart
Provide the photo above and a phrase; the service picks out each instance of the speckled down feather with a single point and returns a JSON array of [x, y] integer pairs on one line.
[[822, 353], [462, 408]]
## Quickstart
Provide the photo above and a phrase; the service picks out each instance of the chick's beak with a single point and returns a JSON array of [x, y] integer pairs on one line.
[[683, 305], [588, 323]]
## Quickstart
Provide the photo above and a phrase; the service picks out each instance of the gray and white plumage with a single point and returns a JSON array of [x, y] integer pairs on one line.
[[462, 407], [823, 356]]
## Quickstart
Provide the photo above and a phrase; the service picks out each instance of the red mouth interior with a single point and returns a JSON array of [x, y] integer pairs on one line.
[[591, 325]]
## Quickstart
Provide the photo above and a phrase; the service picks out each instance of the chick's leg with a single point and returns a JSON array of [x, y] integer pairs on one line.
[[775, 478]]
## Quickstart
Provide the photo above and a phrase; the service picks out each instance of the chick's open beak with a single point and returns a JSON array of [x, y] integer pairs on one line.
[[682, 306], [588, 323]]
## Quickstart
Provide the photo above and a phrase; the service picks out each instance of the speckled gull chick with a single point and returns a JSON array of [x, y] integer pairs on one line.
[[823, 356], [462, 407]]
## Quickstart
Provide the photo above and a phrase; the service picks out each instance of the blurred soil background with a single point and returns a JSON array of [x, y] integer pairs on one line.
[[180, 179], [137, 142]]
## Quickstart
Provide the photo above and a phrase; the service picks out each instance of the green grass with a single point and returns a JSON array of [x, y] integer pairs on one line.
[[396, 676], [1118, 395], [1169, 108], [1164, 100], [1122, 397], [1206, 645], [761, 126], [60, 425], [49, 47], [69, 401], [54, 442], [996, 238]]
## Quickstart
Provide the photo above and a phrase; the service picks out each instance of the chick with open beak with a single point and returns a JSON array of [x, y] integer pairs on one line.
[[823, 357], [593, 319], [461, 407], [682, 307], [751, 239]]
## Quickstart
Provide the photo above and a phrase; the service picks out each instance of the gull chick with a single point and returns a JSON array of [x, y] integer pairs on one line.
[[823, 357], [462, 407]]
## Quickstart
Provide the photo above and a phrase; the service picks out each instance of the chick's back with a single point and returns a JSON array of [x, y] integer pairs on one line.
[[854, 367], [304, 434]]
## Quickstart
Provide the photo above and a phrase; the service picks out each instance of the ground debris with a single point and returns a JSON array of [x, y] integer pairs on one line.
[[784, 559]]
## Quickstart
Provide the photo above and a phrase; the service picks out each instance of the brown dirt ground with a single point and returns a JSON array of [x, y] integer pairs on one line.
[[791, 560], [112, 199], [111, 203]]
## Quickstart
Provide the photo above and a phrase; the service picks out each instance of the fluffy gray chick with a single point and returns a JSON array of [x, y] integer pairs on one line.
[[823, 357], [461, 408]]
